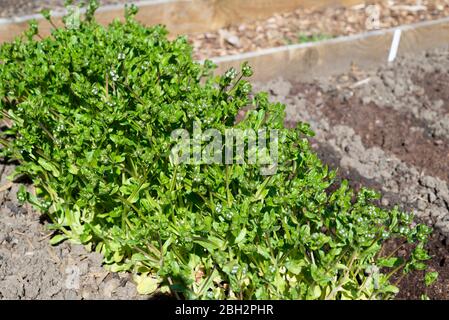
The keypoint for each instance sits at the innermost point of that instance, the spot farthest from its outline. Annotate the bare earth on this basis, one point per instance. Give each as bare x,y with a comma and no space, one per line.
32,269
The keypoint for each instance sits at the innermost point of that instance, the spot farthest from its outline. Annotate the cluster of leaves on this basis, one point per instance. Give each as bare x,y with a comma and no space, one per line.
306,38
90,112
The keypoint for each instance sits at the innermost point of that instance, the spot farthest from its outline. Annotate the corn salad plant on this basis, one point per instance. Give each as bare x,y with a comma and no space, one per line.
89,113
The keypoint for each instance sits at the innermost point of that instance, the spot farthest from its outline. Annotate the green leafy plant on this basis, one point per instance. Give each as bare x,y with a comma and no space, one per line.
305,38
90,112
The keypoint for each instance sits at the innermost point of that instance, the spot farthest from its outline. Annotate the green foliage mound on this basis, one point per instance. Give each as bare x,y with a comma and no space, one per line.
89,114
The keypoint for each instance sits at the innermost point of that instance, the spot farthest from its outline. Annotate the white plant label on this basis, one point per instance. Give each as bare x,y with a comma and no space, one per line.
395,45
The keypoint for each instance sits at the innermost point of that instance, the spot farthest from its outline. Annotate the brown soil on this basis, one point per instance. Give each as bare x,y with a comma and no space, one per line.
412,286
436,87
30,268
397,133
355,180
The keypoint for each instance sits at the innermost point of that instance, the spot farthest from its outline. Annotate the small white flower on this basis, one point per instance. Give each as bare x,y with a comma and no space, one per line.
231,73
145,65
114,75
235,269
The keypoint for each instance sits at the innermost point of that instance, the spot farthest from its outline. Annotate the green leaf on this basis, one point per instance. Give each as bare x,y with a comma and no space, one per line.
146,284
49,167
138,257
241,236
73,169
430,278
315,292
390,262
58,239
391,289
295,267
212,243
